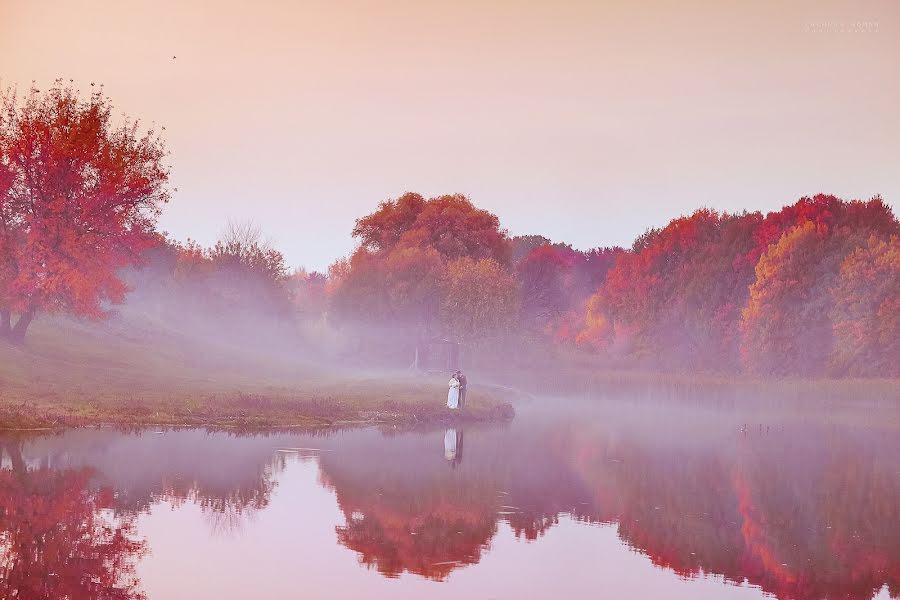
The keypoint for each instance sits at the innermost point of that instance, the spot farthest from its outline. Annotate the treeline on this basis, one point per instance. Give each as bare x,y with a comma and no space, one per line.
810,290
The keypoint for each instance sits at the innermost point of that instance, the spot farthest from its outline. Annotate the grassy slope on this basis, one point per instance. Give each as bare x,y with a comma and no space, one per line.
71,373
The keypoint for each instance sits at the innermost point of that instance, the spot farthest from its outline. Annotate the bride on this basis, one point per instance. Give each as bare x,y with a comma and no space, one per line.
453,394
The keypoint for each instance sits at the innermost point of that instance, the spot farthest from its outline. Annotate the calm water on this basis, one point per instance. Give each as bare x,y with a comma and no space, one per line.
617,500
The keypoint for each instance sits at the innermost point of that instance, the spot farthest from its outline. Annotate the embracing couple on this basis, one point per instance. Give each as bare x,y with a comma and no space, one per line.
456,397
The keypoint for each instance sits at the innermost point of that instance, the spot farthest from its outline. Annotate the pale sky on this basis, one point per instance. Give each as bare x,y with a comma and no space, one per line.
586,122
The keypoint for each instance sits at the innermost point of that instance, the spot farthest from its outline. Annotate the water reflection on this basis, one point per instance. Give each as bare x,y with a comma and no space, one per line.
801,507
453,447
408,513
57,538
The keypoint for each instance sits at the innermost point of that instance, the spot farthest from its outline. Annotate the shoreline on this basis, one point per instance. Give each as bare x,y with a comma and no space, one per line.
243,411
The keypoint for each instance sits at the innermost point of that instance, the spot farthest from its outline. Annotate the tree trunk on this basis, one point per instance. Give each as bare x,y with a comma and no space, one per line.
14,450
18,332
5,323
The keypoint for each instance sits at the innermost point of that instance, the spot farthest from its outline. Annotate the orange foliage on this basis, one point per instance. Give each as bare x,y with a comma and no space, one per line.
479,299
410,249
785,330
867,310
450,224
678,289
706,286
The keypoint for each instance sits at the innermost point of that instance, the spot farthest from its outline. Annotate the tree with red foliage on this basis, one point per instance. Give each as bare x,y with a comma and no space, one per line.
678,291
541,275
449,224
867,311
522,245
398,274
555,282
787,324
80,199
822,209
9,241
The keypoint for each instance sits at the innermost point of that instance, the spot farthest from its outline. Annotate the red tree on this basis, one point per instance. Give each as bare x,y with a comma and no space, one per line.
450,224
787,326
406,246
56,540
541,276
80,201
679,293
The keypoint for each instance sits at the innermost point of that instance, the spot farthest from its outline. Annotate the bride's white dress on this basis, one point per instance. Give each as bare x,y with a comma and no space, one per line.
453,394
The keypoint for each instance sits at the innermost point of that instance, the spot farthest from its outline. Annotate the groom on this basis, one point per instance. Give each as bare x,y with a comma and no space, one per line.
463,382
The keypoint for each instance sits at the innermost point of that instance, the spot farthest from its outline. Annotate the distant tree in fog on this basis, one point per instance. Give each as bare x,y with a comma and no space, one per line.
309,292
449,224
240,247
79,200
399,273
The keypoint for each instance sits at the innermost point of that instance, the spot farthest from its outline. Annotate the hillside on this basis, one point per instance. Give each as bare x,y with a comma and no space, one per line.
134,371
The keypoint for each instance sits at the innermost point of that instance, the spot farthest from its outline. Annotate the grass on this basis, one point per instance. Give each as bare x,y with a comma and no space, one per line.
578,374
71,374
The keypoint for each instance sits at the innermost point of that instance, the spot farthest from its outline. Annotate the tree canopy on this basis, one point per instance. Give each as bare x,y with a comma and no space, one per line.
79,199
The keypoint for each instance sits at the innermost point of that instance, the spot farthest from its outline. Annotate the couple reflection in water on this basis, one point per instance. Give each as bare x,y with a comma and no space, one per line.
453,447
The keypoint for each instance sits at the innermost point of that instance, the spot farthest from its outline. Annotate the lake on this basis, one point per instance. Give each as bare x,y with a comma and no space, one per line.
614,498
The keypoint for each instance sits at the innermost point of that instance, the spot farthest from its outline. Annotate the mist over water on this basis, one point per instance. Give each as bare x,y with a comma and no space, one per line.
631,496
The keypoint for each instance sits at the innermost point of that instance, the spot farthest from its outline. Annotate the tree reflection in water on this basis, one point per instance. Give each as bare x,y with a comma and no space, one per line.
409,516
58,539
801,515
808,512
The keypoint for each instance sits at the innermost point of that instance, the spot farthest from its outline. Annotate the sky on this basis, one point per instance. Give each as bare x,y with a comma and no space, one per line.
587,122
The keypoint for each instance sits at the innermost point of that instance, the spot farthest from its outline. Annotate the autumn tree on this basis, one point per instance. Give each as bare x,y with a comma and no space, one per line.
866,314
679,295
247,271
479,299
308,291
522,245
449,224
241,247
678,291
79,200
9,241
399,273
786,325
555,282
541,276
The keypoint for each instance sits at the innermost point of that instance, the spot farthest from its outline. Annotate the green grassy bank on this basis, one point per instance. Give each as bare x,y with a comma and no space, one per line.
71,374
